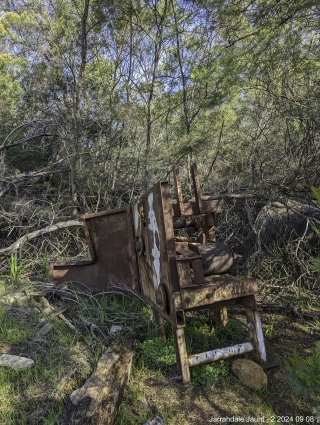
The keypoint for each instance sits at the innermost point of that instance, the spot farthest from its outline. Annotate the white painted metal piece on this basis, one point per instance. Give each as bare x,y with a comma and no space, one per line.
136,219
256,333
155,238
259,337
221,353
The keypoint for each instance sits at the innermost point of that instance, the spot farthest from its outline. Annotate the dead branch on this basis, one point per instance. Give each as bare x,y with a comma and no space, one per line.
28,139
9,183
16,245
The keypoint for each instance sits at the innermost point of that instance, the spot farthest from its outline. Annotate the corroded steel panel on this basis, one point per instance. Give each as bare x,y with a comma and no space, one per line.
110,239
152,222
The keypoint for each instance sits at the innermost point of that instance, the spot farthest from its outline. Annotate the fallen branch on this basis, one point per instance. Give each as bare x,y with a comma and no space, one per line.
28,139
5,252
8,183
307,315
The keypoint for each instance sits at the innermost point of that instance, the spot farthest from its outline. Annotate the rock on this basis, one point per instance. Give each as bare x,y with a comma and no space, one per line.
250,373
282,222
15,362
17,298
114,329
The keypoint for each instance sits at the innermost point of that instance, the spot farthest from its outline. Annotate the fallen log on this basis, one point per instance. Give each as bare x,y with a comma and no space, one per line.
98,400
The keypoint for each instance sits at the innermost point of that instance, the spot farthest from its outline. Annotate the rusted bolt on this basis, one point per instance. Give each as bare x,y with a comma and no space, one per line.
187,300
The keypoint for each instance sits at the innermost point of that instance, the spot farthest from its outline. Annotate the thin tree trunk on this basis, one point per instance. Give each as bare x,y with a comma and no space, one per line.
77,108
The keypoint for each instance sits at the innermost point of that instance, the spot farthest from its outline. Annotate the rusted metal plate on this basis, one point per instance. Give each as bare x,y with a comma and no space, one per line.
217,288
110,239
152,222
177,184
197,189
184,273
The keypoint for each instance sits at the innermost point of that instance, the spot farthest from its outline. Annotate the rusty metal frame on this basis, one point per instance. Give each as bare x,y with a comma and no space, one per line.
165,270
113,258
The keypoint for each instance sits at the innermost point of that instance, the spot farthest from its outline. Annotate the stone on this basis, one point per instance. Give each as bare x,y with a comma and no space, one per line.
17,298
250,373
114,329
15,362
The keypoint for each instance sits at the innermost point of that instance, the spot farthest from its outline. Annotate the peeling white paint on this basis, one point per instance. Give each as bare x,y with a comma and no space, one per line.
221,353
155,238
136,219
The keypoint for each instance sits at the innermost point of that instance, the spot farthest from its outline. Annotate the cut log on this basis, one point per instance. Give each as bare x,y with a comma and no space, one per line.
98,400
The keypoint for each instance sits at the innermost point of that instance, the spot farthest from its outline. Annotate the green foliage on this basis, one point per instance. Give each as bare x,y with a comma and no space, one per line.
47,269
269,330
304,374
156,354
16,268
207,374
316,194
13,331
160,355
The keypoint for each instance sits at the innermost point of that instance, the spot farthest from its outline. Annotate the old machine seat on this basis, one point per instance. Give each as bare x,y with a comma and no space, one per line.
144,249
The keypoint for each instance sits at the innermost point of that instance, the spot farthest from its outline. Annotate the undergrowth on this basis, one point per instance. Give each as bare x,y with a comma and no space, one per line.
159,355
63,359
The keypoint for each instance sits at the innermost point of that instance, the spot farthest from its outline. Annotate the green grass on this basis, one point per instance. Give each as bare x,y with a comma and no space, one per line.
15,331
159,355
35,395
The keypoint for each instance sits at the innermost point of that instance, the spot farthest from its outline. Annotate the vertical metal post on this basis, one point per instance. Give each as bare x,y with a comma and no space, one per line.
180,344
177,185
256,333
196,188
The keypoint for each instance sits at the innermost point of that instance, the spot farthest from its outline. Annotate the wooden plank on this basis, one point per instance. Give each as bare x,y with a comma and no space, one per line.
180,343
98,400
256,334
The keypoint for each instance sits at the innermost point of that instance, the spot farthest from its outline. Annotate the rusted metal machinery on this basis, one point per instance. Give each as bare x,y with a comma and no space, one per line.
137,247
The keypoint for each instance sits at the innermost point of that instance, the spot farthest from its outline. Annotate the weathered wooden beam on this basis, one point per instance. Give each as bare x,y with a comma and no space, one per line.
98,400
